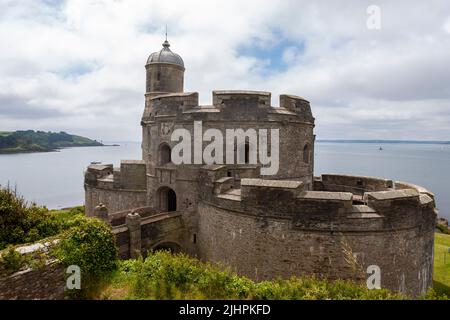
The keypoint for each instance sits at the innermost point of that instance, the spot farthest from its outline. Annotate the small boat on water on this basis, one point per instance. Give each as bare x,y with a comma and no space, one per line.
381,149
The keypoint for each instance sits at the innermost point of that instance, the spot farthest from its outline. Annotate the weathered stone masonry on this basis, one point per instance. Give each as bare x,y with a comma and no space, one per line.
261,226
46,283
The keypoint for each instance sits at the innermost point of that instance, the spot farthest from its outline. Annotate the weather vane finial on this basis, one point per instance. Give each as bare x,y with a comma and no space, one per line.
166,43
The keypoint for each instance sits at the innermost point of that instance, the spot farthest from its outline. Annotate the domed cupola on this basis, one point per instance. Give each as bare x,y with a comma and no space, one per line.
165,71
165,55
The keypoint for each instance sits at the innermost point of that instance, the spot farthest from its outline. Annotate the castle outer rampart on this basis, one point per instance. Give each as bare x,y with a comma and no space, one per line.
282,229
262,226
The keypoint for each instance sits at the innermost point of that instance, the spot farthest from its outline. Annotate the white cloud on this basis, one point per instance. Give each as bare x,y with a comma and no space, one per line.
78,66
447,25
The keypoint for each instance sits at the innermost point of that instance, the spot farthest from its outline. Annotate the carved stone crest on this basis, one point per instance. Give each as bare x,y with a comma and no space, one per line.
166,128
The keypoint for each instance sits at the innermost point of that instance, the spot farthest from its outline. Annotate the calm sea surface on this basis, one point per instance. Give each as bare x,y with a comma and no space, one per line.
55,179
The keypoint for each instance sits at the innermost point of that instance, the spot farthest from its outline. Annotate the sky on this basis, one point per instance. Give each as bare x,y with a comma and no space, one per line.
79,65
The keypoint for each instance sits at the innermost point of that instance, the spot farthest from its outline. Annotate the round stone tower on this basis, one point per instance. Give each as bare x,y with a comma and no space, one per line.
164,75
165,72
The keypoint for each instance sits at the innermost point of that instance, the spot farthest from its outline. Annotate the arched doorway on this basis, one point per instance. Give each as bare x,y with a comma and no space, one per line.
167,199
167,246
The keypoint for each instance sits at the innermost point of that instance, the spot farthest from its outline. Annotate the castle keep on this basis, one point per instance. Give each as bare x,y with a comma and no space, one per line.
289,223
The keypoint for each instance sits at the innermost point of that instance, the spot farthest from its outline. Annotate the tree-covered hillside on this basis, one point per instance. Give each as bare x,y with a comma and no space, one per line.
40,141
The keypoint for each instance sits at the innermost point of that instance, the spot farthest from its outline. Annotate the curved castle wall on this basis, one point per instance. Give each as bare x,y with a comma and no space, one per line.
280,230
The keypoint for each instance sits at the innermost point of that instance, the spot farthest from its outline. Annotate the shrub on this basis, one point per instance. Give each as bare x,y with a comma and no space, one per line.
11,261
89,244
443,228
23,223
66,219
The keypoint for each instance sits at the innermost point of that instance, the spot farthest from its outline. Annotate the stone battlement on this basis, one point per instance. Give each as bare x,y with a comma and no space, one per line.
251,105
130,175
115,187
245,99
344,202
350,183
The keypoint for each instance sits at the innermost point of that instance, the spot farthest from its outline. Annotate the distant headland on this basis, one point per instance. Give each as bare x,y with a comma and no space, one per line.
41,141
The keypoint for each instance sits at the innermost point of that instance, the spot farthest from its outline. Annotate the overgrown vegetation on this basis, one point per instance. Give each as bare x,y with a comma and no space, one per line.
165,276
89,244
40,141
443,229
12,261
85,242
21,222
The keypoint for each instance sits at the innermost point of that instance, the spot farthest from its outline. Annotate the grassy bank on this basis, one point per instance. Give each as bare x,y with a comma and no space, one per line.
165,276
442,264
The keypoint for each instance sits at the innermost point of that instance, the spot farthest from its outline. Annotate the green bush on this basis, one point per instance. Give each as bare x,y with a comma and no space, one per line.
66,219
11,261
443,228
23,223
89,244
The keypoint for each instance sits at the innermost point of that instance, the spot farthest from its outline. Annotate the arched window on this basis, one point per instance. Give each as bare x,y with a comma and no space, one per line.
165,154
306,153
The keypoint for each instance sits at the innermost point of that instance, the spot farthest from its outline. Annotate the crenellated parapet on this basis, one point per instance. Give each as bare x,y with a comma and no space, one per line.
116,188
97,172
130,175
170,105
240,99
227,105
350,183
342,204
298,105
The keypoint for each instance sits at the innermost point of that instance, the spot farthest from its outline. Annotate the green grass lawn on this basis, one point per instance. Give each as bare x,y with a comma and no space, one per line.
442,264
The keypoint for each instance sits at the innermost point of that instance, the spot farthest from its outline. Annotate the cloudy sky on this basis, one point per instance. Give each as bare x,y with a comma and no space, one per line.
78,65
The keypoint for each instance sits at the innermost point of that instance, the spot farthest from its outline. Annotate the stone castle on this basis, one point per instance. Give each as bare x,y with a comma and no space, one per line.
263,227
